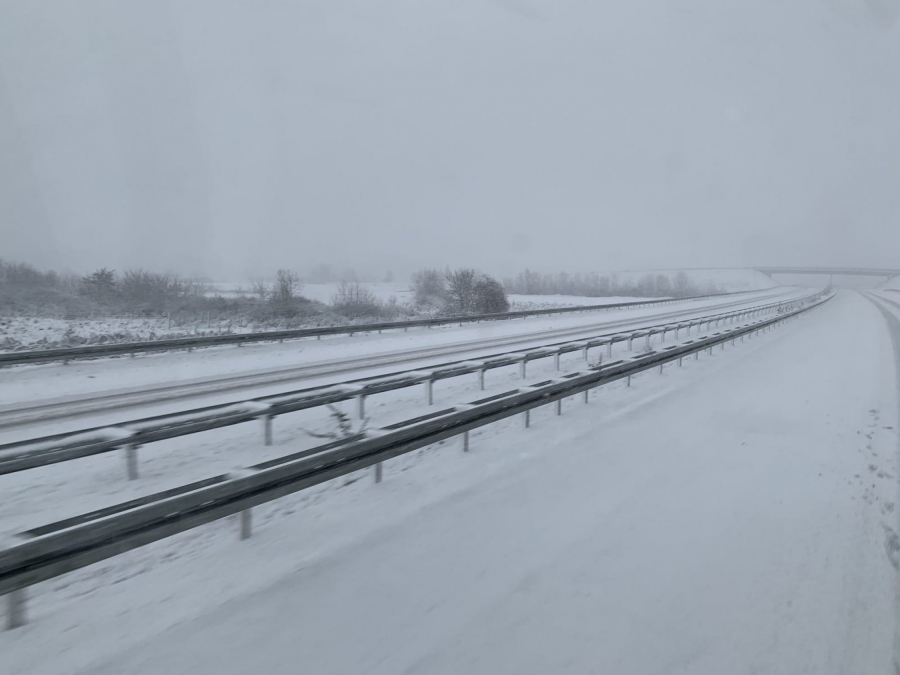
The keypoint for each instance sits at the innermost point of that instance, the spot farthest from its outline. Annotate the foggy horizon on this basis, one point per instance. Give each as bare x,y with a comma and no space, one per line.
229,139
449,337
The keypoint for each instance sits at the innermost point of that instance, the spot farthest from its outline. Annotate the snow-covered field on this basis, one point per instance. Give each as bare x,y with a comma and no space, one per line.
737,514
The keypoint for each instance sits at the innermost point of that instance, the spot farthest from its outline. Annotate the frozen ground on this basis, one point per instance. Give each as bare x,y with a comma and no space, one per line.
738,515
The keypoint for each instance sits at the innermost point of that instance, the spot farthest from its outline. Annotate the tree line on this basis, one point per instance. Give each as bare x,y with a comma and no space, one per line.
459,291
594,285
25,290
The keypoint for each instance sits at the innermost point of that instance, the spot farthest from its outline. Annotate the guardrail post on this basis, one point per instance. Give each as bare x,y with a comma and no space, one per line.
481,378
523,367
587,393
465,441
681,362
609,349
267,429
378,470
361,406
556,360
661,365
630,342
246,518
696,356
649,335
16,617
559,406
628,381
131,461
429,391
527,418
584,352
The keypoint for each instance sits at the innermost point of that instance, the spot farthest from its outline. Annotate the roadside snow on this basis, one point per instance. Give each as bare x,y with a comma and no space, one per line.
120,375
734,515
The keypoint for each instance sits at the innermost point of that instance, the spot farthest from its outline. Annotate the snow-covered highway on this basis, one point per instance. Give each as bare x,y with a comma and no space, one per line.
736,516
41,394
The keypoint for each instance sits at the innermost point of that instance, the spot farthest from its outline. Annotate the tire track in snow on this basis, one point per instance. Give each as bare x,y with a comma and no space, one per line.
891,538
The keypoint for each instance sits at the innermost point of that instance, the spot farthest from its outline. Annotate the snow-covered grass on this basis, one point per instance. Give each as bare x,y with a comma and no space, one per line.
17,333
705,516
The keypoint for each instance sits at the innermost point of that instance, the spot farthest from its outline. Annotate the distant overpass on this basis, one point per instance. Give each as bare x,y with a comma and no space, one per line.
832,271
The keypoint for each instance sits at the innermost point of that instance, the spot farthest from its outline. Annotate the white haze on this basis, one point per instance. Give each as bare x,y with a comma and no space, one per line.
230,138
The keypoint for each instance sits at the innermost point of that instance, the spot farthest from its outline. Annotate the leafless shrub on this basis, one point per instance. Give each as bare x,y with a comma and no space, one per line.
354,301
343,426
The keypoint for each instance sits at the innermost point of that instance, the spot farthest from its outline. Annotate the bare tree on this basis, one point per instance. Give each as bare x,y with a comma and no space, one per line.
287,286
490,298
260,289
663,286
428,286
683,286
461,293
100,285
285,293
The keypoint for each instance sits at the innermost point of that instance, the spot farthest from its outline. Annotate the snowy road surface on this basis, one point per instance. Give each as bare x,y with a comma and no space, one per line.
81,378
40,394
740,517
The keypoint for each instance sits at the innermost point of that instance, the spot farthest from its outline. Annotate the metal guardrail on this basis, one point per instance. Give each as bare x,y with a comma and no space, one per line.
132,348
132,434
58,548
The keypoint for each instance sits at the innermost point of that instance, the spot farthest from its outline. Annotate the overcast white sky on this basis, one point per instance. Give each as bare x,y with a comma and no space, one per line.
231,138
